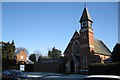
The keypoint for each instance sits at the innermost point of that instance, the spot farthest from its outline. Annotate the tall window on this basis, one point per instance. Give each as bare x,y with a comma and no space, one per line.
84,40
85,62
76,48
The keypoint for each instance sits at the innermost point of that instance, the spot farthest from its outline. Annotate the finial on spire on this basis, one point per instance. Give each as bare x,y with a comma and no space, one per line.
85,4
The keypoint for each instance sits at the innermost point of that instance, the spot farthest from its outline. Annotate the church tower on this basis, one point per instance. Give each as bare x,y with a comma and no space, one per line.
83,49
86,31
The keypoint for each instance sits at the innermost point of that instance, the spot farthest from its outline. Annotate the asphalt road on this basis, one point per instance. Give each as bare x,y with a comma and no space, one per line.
52,76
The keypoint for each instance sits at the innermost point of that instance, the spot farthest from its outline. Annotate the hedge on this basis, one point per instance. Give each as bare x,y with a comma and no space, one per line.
104,68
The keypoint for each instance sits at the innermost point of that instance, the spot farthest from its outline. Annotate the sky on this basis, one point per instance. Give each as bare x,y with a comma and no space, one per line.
119,22
40,26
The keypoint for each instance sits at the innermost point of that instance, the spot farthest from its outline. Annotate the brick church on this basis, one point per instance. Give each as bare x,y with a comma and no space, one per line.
83,48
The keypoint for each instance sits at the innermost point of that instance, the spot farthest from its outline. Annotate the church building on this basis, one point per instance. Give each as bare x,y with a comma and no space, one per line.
83,49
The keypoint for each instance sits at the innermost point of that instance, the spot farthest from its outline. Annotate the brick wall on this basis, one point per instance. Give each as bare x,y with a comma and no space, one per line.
55,67
22,56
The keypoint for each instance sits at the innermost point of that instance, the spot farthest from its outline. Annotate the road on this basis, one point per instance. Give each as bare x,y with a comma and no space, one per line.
53,76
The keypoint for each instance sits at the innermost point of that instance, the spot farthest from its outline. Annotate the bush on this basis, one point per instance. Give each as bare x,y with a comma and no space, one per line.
116,53
104,69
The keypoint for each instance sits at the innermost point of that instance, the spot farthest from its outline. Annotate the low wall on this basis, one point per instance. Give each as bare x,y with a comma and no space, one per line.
29,67
54,67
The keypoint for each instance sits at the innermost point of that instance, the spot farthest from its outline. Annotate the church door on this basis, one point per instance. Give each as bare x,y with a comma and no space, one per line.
72,67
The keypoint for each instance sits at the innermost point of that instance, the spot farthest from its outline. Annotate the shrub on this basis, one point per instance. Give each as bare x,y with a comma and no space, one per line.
104,69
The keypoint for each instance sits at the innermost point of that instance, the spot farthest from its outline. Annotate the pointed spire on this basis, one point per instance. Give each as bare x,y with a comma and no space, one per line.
85,15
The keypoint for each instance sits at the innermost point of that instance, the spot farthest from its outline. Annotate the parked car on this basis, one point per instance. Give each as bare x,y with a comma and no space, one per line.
102,77
14,75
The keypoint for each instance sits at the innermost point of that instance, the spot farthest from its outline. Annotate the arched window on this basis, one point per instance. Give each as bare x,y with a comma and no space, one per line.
76,48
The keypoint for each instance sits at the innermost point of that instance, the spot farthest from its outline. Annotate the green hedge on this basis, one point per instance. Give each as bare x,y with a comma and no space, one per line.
104,69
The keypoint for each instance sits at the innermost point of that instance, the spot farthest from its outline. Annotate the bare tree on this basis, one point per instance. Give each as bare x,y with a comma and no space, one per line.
21,48
38,54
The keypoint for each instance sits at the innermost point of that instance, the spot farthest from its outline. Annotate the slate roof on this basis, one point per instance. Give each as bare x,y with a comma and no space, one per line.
101,48
85,15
